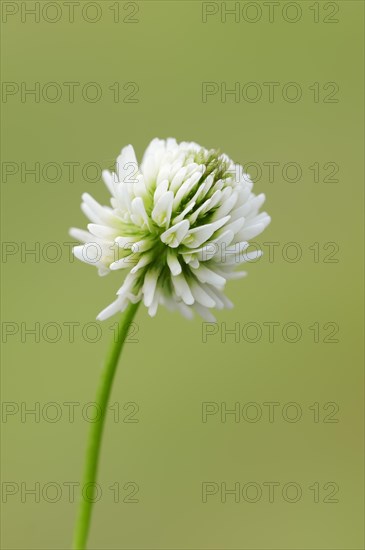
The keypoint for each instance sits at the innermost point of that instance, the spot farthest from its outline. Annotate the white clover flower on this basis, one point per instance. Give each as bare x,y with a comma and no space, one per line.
178,225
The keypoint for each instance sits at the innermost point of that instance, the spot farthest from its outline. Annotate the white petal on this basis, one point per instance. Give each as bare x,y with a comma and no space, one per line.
119,305
139,215
192,261
161,213
139,187
182,289
252,230
81,235
251,256
102,271
200,295
101,214
89,213
109,180
220,299
127,166
216,295
152,310
163,174
128,284
146,259
226,237
124,263
238,212
154,146
126,242
213,247
253,205
89,253
178,179
173,263
212,202
206,275
183,214
204,313
235,227
161,189
201,210
218,186
185,310
103,231
225,207
149,286
143,245
149,169
204,188
175,234
199,235
186,188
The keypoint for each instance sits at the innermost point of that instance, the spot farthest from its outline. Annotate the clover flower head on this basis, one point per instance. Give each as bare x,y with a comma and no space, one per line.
178,225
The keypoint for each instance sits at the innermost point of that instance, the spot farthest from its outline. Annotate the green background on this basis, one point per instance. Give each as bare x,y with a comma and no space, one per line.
169,371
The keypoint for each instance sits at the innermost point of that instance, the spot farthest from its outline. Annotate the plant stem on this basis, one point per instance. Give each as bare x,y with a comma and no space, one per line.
96,431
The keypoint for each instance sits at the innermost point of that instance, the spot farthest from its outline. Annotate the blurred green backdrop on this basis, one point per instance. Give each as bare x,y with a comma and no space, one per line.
165,458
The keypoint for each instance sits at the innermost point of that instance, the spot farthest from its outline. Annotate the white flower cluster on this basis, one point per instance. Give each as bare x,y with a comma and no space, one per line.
178,225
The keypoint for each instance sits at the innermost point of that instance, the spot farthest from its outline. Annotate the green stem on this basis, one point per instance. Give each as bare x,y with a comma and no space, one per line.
96,431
